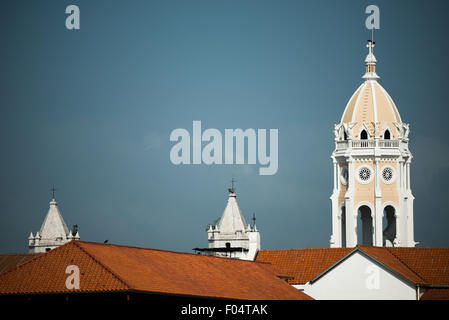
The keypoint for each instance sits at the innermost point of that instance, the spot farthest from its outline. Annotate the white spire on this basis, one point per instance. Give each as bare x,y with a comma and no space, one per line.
54,225
232,231
53,232
232,219
370,62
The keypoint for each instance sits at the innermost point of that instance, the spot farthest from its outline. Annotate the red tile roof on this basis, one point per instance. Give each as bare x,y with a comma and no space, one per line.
384,256
419,265
11,260
107,267
436,294
431,264
302,265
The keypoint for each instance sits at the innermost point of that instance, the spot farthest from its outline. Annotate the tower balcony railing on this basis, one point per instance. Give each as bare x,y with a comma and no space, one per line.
363,144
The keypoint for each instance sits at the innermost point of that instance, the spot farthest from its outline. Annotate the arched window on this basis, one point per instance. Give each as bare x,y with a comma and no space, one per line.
389,222
343,227
387,135
345,135
364,135
364,226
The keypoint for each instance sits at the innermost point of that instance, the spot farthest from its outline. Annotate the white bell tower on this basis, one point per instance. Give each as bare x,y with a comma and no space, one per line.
53,232
372,201
233,236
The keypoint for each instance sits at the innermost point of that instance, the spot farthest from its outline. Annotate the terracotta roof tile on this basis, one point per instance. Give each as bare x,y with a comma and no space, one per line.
11,260
106,267
384,255
431,264
419,265
435,294
302,264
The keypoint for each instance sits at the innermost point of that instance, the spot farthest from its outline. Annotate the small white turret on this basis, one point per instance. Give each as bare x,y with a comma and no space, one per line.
31,239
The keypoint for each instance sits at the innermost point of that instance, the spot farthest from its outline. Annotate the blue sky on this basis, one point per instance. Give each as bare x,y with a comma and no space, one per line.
91,111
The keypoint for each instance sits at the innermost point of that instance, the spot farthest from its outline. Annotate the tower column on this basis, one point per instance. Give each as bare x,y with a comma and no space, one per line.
351,216
335,240
409,200
378,212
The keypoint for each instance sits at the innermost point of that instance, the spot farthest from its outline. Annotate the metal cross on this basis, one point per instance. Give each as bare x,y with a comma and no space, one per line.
232,189
53,191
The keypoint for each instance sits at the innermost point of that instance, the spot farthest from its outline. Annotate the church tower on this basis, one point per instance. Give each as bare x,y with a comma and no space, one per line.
372,202
53,232
233,236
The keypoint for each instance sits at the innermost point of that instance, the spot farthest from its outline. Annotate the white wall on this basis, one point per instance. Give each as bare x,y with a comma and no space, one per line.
360,278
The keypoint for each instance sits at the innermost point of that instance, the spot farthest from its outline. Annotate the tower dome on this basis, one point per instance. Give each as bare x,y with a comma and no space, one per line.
370,105
372,201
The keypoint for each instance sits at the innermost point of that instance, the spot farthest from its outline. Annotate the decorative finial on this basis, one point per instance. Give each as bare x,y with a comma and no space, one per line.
254,220
370,63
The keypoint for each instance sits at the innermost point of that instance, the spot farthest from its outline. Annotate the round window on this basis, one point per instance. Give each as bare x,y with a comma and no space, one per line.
388,175
364,175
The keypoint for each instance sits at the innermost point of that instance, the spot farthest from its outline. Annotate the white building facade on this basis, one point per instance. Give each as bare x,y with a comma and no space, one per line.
53,232
368,280
372,201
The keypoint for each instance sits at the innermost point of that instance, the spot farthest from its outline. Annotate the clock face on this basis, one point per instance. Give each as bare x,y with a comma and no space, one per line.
344,176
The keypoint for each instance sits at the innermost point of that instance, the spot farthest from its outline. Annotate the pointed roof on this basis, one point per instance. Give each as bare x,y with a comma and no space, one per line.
109,267
54,225
232,218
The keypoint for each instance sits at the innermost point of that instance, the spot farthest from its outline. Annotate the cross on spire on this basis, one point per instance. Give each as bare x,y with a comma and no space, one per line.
254,219
232,189
370,46
370,63
53,189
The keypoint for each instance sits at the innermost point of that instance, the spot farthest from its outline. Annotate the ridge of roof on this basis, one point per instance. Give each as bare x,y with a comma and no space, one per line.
37,256
9,261
302,264
120,268
393,268
286,259
73,242
101,264
404,263
171,251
